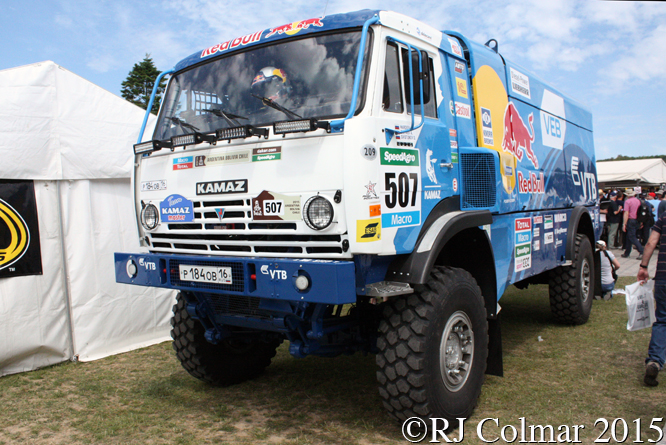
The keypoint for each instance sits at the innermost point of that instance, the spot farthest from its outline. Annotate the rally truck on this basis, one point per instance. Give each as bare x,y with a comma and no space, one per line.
362,182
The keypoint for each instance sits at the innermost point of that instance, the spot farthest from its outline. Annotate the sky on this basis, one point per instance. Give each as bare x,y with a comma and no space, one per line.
608,55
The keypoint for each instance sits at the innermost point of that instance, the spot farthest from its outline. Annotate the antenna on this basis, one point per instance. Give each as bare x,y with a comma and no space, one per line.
325,8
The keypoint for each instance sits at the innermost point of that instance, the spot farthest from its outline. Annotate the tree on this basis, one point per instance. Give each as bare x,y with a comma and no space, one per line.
138,86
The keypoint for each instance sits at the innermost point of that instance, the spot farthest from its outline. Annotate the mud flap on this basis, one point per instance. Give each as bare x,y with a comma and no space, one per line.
494,365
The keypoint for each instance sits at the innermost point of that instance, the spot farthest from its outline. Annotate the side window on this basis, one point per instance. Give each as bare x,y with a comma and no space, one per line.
392,98
430,106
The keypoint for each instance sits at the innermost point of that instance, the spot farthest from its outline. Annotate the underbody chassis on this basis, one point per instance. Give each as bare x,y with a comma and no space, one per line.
261,297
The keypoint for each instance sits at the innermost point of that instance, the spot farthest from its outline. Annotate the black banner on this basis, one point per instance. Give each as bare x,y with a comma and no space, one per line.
20,253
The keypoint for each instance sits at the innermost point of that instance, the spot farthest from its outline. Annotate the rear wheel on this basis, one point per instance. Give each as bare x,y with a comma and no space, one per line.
233,360
571,287
433,348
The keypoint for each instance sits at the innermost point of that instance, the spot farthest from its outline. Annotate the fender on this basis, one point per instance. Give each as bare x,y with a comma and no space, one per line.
580,221
444,222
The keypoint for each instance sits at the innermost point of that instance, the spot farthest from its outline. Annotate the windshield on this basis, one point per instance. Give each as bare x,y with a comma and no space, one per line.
304,78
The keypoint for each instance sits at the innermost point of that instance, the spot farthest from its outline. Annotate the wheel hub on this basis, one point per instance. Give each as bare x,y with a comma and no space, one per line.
456,351
585,281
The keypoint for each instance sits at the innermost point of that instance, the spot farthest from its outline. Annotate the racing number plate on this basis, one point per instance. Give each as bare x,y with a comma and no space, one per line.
205,274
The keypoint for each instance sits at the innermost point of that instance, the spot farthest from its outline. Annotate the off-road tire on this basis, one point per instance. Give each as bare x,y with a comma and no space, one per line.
228,362
411,382
571,288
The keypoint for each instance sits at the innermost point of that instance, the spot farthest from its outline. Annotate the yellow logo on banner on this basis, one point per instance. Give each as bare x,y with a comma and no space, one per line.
462,87
19,236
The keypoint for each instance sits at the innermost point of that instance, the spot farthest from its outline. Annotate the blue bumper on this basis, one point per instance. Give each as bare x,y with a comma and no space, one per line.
331,282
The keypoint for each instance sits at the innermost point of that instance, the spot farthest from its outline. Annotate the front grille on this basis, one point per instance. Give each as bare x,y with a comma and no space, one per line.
237,279
237,234
478,173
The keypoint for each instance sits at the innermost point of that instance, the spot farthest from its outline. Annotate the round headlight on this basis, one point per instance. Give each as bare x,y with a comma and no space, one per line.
150,217
318,213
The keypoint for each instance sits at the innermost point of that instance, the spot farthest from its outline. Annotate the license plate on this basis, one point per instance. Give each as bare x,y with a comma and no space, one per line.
205,274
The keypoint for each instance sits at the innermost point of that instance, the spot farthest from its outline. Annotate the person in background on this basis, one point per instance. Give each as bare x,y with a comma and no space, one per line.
631,225
609,264
657,348
662,204
645,218
622,241
604,204
613,220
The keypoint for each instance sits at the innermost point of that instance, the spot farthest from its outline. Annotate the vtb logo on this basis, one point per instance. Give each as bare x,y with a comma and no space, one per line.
14,235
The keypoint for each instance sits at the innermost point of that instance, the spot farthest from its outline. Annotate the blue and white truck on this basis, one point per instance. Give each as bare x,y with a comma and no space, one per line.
362,182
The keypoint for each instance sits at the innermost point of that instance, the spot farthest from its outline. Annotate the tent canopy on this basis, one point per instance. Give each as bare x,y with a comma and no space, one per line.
55,125
642,172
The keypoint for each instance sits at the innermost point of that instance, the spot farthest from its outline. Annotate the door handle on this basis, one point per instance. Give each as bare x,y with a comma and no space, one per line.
446,165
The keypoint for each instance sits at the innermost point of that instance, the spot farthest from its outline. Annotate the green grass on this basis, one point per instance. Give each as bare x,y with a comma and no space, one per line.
574,376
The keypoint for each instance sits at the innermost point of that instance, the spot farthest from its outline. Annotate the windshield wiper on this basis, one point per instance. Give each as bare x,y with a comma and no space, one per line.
232,119
182,123
271,103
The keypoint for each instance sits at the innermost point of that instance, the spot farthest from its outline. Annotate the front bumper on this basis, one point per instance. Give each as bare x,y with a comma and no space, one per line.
331,282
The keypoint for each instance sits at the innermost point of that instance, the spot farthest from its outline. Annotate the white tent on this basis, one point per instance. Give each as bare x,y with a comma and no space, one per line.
74,140
643,172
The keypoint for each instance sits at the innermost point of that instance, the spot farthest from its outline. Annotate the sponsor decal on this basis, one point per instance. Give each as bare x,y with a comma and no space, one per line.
508,170
548,238
375,210
559,242
523,249
453,133
149,186
223,158
270,206
396,156
432,194
222,187
368,230
536,246
400,187
370,191
459,67
276,274
560,231
454,156
533,184
219,212
430,167
461,87
560,217
20,250
520,83
455,185
454,144
183,163
238,41
176,208
293,28
548,222
487,127
518,139
452,108
463,110
537,231
538,219
455,47
553,120
266,154
421,33
586,180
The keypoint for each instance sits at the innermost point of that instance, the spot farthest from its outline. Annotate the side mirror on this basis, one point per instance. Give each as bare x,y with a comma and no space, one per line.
417,75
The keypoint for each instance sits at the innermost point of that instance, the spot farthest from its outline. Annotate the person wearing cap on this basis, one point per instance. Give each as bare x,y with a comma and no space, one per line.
630,226
657,349
609,264
613,219
662,204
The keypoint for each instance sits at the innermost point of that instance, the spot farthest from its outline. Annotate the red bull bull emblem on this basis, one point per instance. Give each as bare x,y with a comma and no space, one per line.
293,28
517,137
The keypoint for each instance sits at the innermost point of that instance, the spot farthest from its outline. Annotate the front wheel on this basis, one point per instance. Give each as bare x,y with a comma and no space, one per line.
433,348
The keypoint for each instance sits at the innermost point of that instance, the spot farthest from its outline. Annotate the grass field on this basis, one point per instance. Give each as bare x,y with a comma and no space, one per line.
574,376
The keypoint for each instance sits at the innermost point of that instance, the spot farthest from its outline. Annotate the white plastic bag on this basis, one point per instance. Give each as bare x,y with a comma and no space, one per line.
640,305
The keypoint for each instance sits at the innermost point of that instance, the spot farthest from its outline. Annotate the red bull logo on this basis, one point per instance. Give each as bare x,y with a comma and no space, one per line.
238,41
293,28
517,137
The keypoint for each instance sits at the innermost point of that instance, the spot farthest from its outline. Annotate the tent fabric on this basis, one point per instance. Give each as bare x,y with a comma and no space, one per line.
56,125
74,140
637,171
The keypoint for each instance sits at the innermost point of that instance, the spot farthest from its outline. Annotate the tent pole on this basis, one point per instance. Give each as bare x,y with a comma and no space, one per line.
65,271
